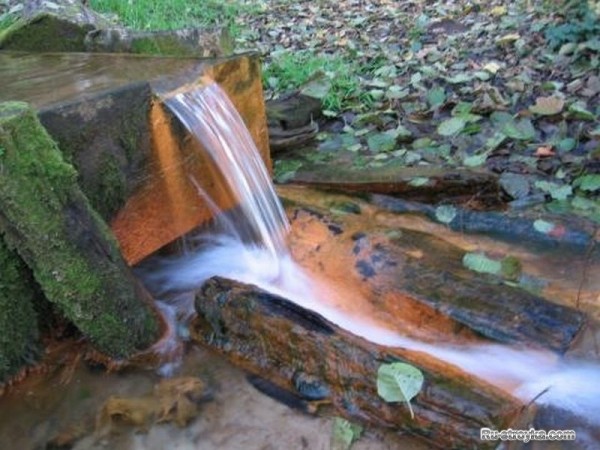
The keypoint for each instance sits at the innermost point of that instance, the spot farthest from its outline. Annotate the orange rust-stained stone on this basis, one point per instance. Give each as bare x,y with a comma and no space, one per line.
167,204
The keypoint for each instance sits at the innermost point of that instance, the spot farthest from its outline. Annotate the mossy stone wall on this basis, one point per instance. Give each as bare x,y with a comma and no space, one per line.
71,251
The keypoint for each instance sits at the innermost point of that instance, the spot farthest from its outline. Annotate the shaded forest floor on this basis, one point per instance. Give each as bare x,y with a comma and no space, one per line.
508,87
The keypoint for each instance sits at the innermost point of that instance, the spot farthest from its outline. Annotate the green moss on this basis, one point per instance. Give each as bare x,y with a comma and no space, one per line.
108,194
160,45
44,33
109,144
69,248
19,343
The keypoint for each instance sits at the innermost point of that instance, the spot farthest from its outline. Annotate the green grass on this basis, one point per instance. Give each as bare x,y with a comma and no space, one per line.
286,71
290,70
174,14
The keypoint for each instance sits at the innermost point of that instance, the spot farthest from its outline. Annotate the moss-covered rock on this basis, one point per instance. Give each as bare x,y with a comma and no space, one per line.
106,137
19,343
44,26
73,256
196,42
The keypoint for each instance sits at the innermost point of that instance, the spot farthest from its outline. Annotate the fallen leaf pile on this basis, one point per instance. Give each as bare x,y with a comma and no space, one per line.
512,87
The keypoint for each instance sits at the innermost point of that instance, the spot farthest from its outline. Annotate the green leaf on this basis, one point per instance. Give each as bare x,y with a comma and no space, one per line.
436,97
579,111
459,78
556,191
451,126
376,94
495,141
462,109
515,185
381,142
543,226
475,160
511,268
482,75
587,207
284,170
422,143
500,118
479,262
589,183
522,130
508,39
344,434
418,181
317,88
400,132
399,382
445,213
396,92
566,145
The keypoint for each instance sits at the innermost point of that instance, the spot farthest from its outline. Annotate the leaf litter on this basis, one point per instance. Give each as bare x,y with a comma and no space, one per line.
523,74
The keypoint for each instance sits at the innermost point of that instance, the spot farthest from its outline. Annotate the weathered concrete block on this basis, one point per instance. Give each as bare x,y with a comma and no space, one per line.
167,205
107,138
73,256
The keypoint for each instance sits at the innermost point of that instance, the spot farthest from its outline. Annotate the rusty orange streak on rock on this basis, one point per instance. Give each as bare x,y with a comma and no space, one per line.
168,205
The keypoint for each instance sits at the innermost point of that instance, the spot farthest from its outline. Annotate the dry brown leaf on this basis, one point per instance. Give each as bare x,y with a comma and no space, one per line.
544,151
548,106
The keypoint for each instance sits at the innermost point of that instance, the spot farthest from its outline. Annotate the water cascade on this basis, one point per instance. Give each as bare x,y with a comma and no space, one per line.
211,117
249,245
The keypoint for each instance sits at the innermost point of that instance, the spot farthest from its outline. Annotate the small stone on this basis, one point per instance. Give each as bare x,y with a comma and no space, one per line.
515,185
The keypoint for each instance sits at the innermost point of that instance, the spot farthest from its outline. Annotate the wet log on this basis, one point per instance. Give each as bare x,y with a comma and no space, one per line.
499,312
441,184
107,138
301,352
567,232
46,217
407,270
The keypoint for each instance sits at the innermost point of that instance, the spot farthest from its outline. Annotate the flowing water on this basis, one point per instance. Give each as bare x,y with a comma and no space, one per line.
43,79
211,117
251,248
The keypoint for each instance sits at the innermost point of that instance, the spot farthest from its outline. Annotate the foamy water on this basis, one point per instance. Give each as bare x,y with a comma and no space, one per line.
266,262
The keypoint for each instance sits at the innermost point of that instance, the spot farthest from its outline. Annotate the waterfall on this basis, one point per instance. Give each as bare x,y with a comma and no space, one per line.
210,116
